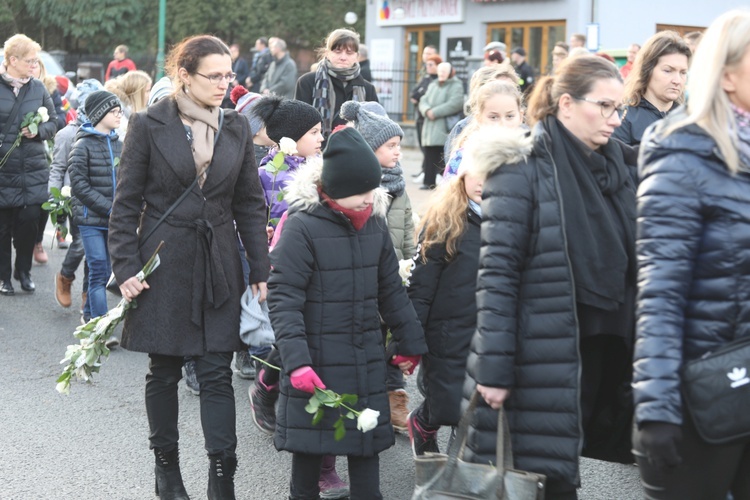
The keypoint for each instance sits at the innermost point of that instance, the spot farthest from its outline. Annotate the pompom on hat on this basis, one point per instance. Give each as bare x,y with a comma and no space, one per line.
375,129
349,165
245,102
286,117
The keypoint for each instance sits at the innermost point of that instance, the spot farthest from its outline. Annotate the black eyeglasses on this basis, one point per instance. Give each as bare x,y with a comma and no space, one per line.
216,78
116,112
607,108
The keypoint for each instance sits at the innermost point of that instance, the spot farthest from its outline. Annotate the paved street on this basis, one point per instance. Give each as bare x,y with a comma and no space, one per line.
93,444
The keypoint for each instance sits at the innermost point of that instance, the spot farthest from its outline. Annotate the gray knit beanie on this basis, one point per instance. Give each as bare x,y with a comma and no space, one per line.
376,130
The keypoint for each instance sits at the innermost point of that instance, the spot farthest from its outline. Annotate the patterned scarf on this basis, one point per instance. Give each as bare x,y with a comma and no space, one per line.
15,83
742,118
204,123
324,95
392,180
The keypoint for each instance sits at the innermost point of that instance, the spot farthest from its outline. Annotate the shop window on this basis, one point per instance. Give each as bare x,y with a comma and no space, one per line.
537,38
682,30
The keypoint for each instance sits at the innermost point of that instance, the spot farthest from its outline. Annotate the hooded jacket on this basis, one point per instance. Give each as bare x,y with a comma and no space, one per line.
93,175
693,263
329,285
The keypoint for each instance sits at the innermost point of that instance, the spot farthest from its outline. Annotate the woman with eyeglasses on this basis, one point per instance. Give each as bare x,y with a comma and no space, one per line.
693,269
336,80
24,169
190,305
556,284
655,86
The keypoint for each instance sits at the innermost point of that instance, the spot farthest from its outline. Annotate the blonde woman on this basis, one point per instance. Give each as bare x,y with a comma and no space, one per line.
133,89
24,173
655,86
693,253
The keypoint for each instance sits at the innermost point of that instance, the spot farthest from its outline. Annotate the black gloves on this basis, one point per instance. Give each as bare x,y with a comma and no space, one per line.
660,441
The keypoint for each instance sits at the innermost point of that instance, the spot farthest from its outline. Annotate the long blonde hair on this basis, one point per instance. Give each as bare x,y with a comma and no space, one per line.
723,46
445,220
133,85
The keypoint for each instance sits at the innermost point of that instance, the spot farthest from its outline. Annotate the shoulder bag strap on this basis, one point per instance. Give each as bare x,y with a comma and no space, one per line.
14,112
188,190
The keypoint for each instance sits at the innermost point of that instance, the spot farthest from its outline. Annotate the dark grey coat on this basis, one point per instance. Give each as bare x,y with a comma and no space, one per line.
23,179
328,287
177,316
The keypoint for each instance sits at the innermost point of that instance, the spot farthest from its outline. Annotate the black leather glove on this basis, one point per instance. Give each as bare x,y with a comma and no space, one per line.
660,441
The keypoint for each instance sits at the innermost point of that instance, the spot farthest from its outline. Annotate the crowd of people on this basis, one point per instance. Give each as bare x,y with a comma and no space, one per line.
587,239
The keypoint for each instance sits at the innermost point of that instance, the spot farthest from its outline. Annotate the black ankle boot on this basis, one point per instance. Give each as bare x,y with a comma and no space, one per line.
221,477
168,478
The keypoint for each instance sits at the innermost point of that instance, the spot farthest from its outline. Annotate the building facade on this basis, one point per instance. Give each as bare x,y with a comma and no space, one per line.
398,30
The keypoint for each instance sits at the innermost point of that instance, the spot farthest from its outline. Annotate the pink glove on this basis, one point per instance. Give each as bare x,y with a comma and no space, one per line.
399,358
305,379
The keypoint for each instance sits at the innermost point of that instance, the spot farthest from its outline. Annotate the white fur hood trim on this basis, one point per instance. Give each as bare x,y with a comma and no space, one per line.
489,148
302,191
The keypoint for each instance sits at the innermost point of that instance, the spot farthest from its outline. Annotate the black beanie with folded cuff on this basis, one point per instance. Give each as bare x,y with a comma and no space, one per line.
349,165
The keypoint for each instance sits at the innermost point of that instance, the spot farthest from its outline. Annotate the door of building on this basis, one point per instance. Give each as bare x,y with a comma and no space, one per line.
417,38
538,38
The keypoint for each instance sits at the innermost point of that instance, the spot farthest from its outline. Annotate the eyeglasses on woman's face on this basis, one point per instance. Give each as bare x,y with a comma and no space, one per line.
216,78
607,108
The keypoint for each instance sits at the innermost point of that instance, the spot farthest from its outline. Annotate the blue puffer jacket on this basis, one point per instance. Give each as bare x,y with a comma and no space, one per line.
693,249
93,175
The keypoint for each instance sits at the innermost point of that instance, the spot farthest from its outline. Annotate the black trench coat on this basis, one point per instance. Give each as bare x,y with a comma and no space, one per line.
193,305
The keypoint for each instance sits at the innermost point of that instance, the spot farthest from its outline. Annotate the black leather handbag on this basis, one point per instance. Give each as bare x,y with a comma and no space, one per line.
445,477
716,392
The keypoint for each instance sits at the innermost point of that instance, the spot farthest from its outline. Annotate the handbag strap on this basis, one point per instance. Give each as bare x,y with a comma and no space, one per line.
187,191
13,112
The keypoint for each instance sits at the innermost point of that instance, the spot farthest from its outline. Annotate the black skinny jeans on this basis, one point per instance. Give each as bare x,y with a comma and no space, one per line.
364,477
18,227
218,416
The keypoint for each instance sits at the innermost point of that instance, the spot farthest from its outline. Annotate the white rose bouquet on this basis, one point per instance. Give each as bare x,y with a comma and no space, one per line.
32,121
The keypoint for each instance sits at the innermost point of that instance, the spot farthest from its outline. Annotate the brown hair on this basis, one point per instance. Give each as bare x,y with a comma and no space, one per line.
189,53
342,37
661,44
445,220
436,59
575,77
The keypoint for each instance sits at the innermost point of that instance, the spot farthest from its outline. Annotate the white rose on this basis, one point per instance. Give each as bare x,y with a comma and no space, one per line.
63,387
404,269
43,113
367,420
65,192
288,146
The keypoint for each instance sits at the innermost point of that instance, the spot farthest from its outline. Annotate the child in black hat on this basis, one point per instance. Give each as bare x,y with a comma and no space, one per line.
334,274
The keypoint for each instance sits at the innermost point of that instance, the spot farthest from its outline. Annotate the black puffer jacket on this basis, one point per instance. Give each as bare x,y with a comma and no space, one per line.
637,119
327,285
694,263
93,175
444,295
23,179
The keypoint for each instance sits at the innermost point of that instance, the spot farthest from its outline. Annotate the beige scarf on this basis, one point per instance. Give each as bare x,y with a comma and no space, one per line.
204,123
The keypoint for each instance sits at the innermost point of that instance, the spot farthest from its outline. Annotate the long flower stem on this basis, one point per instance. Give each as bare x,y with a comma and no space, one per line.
356,413
256,358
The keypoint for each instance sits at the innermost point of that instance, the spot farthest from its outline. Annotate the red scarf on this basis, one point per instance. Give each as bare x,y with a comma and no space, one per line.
358,218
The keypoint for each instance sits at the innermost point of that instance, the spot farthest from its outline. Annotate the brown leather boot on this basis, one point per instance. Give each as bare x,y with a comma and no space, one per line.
398,400
62,290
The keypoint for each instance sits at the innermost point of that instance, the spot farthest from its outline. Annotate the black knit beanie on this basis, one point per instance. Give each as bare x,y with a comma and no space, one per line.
99,103
349,165
286,117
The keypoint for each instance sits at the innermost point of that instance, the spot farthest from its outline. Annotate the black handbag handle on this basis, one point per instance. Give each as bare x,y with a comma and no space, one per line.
187,191
503,451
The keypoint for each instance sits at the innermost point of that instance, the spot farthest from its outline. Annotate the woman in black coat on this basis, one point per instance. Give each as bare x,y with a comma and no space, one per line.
442,288
24,175
655,86
193,305
336,80
694,266
556,283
